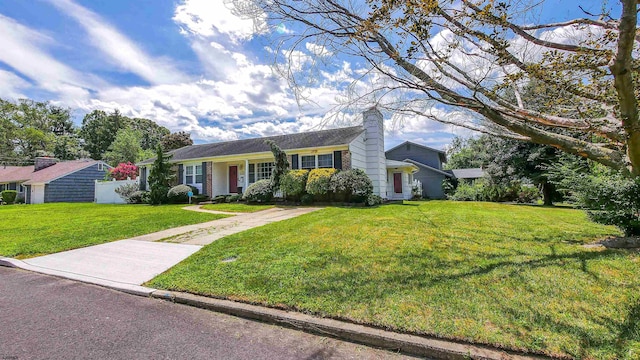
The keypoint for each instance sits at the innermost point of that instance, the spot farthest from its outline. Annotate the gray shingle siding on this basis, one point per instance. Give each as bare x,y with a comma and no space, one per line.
75,187
431,183
417,153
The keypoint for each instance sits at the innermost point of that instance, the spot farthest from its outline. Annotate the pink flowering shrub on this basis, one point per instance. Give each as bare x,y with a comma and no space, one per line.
124,171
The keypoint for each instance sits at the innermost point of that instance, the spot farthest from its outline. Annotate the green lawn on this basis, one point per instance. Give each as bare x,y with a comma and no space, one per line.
237,207
32,230
511,276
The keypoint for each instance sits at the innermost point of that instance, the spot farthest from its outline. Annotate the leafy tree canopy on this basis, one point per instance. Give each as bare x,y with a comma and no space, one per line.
451,61
176,140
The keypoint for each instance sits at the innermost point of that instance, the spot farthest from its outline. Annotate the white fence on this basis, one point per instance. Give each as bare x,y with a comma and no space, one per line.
105,192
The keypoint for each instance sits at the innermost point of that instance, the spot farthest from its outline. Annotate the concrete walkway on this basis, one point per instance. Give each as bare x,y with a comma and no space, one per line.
206,233
127,264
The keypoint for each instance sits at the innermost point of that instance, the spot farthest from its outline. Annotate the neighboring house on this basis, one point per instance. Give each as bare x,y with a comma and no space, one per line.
12,177
52,181
429,161
230,167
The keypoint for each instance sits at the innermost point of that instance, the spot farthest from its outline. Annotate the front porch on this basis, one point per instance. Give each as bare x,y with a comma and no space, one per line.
400,180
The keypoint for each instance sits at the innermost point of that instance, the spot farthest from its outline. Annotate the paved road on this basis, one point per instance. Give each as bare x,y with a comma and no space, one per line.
44,317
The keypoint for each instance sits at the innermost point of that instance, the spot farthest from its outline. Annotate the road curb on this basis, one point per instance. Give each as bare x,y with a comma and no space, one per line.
114,285
409,344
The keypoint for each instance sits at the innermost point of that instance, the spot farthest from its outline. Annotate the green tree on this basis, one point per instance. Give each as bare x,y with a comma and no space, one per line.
30,128
99,129
281,164
460,56
160,177
68,147
124,148
176,140
151,133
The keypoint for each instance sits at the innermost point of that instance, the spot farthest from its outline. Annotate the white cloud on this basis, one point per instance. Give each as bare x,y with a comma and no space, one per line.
318,50
123,52
11,85
22,50
208,18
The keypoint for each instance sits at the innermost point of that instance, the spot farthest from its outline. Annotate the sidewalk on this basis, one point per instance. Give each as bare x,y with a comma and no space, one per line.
127,264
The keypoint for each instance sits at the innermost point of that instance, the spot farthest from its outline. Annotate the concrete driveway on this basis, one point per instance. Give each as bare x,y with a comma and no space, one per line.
127,264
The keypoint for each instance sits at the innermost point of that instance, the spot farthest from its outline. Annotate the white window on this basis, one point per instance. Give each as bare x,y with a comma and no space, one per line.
188,175
100,167
264,170
308,162
198,174
325,161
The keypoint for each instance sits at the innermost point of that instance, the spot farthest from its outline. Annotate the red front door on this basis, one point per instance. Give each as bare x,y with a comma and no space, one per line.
397,183
233,179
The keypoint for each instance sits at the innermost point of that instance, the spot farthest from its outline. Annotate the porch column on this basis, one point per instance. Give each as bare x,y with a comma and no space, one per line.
246,175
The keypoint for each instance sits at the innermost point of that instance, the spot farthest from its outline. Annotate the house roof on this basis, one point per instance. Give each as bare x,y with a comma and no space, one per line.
58,170
341,136
472,173
419,164
10,174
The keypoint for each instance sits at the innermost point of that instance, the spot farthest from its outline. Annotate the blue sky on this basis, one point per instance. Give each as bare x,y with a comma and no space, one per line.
187,64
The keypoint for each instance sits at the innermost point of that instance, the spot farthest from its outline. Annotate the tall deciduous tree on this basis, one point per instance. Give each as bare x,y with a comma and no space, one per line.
31,128
176,140
99,129
435,55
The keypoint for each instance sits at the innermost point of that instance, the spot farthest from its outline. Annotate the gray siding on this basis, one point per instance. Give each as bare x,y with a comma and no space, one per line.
75,187
416,153
431,183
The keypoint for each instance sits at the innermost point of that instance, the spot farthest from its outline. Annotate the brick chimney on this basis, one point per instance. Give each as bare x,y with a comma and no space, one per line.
374,144
44,162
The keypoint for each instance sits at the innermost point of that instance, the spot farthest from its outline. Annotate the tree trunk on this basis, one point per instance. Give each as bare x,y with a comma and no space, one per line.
547,193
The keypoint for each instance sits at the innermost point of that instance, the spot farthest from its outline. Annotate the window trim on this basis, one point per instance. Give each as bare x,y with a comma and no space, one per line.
191,171
324,167
316,164
262,168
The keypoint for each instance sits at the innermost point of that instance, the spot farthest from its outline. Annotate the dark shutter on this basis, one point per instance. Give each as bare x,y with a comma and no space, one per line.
143,179
294,161
204,178
252,173
337,160
181,174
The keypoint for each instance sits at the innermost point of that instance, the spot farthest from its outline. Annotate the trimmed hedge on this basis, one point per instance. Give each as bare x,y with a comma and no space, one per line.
179,194
9,196
318,183
259,191
351,186
293,183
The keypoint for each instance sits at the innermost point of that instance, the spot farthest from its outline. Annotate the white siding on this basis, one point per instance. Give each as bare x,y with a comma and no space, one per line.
358,153
374,146
220,179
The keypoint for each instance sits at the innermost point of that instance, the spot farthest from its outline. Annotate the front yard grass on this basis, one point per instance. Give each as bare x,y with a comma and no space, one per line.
237,207
33,230
511,276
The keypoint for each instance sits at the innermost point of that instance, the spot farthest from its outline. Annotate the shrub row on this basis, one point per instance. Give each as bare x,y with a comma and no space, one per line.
178,194
481,190
316,185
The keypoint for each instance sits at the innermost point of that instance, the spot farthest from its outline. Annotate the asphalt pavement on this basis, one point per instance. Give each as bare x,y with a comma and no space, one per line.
45,317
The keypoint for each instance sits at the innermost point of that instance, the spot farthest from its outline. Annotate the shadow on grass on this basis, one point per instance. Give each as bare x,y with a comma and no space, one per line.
356,284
